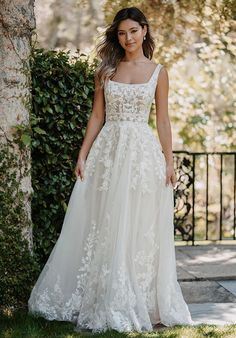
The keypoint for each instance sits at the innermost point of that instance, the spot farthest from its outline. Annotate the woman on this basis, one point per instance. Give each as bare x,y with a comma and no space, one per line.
113,266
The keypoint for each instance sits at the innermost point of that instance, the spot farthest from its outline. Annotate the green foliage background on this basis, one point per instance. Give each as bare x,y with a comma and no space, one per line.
62,91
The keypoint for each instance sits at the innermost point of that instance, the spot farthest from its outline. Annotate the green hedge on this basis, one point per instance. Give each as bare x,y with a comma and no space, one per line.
62,93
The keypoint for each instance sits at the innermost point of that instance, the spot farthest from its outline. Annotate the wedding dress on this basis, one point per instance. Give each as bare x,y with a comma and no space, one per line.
113,265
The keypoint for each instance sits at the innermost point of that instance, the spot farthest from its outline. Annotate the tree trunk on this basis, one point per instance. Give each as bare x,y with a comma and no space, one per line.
17,22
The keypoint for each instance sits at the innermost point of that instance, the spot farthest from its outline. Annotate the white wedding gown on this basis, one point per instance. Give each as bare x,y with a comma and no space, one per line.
113,266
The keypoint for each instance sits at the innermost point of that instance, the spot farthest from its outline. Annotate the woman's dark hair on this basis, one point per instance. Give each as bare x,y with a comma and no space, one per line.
109,49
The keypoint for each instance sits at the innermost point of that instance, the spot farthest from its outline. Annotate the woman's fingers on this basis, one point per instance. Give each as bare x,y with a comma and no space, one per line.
170,176
82,174
76,172
167,179
174,181
81,166
79,169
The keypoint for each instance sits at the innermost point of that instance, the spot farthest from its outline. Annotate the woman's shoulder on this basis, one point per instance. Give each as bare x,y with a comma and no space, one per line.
162,67
158,64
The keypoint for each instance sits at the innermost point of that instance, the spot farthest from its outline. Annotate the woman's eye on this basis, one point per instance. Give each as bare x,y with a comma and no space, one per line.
122,33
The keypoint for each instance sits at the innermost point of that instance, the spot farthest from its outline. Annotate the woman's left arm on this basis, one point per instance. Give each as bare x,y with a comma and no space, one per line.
163,124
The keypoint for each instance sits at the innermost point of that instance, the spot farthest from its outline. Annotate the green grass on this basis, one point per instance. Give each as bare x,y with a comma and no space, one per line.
21,325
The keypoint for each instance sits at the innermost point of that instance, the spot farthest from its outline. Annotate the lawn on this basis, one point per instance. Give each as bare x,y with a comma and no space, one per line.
21,325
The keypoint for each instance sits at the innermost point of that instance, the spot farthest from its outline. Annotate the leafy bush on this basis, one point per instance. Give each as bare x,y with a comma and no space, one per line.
62,90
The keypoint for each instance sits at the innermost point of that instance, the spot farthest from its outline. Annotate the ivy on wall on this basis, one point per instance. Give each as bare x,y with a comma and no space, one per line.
18,266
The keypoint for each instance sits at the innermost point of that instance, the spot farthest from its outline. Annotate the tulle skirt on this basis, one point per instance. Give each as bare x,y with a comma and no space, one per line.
113,265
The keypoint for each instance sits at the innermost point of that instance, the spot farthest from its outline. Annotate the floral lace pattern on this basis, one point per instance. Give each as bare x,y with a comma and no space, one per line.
130,102
126,140
127,144
93,280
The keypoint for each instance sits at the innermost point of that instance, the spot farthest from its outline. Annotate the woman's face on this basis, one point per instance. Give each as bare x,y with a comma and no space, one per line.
130,35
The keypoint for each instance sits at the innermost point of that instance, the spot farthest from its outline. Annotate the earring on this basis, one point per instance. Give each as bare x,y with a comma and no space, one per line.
144,38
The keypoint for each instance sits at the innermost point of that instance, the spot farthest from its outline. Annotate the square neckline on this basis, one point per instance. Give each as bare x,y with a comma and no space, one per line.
135,84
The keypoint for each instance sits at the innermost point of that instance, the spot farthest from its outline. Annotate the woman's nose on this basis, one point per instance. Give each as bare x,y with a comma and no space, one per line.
128,36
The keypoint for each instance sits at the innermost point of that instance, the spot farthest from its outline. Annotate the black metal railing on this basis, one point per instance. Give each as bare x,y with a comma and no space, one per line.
205,196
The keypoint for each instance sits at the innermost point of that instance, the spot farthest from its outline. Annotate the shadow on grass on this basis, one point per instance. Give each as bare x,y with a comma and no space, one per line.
21,325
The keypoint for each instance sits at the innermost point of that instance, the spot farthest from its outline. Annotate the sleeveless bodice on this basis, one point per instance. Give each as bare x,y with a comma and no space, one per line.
130,102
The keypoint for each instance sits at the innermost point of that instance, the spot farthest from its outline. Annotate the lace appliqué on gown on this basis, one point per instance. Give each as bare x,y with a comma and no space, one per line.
93,279
127,137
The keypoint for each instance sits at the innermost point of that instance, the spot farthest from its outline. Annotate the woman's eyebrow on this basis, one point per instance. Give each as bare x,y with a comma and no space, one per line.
122,30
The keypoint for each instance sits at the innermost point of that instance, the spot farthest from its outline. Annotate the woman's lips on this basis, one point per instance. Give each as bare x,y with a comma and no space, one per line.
129,44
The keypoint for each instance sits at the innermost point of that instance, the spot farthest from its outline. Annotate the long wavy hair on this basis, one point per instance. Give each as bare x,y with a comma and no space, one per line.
109,49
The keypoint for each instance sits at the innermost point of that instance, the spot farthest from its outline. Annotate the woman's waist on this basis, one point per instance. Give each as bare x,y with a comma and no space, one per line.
141,117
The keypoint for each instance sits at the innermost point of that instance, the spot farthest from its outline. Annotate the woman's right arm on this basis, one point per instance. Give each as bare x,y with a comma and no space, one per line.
94,125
